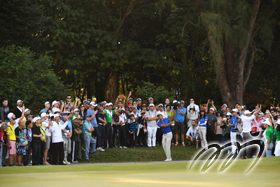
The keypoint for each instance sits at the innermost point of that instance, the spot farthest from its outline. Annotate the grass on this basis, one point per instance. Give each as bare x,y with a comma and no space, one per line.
142,154
266,173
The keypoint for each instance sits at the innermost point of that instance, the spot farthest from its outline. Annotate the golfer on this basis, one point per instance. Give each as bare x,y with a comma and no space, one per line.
164,124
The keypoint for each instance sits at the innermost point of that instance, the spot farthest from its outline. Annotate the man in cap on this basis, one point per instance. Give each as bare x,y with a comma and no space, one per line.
46,123
76,141
232,124
268,137
247,120
36,141
196,107
151,117
66,136
46,109
109,127
89,140
179,122
151,100
139,104
55,105
277,135
57,141
212,123
18,110
101,121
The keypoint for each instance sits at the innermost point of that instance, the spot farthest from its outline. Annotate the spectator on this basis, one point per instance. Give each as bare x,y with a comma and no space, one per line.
89,140
151,117
164,124
196,107
211,124
4,111
76,141
192,114
36,141
247,119
179,122
142,130
225,125
144,108
109,127
218,135
151,100
55,105
277,135
132,130
57,141
139,104
18,110
92,111
159,131
192,135
46,123
224,108
122,129
233,122
3,128
46,109
82,112
66,136
28,134
101,121
268,138
202,130
20,138
167,102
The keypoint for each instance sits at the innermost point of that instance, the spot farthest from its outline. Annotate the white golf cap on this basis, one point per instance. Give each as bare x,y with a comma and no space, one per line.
151,98
10,115
93,103
160,104
47,102
19,101
229,114
44,114
266,122
76,110
278,121
55,110
175,101
247,112
234,110
54,102
36,119
26,110
110,104
56,115
151,105
212,109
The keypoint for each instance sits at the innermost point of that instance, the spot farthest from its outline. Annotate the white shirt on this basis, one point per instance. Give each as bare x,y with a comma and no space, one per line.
163,113
247,122
192,132
56,130
46,124
122,118
196,107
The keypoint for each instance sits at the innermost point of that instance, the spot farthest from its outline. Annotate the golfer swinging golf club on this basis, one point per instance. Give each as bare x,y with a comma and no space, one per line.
164,124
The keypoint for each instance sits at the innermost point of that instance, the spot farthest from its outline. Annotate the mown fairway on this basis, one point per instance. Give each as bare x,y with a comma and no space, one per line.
266,173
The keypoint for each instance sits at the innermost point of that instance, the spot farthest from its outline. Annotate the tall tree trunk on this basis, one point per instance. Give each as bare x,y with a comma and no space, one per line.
111,93
186,75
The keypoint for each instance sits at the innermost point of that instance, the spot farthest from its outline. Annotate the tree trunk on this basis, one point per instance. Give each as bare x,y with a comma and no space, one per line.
186,76
111,90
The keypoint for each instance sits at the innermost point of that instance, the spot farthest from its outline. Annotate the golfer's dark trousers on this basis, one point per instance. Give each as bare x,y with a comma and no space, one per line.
58,148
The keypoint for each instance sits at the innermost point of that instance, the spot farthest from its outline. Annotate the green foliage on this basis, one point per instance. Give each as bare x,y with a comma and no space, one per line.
26,77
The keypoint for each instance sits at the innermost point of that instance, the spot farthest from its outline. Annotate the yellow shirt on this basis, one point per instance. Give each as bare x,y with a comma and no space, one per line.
43,132
11,132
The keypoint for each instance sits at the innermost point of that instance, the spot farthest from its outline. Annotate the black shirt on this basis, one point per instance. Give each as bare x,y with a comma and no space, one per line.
212,119
17,113
99,115
36,130
4,111
18,132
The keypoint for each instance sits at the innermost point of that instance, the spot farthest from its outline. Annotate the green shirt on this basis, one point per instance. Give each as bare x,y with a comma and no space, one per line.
269,133
277,134
75,137
109,115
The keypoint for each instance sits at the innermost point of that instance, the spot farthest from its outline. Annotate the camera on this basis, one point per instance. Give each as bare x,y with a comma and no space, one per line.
175,106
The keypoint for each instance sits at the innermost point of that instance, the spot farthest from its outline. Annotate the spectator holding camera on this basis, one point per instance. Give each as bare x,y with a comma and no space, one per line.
192,135
179,114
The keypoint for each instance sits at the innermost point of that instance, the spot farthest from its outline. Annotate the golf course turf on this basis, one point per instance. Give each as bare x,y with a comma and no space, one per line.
265,173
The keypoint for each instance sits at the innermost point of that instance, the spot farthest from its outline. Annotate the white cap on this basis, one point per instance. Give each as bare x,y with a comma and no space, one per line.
19,101
278,121
110,104
55,110
10,115
151,98
247,112
54,102
44,114
26,110
229,114
47,102
234,110
74,118
36,119
93,103
76,110
160,104
224,105
56,115
151,105
261,113
267,122
175,101
212,109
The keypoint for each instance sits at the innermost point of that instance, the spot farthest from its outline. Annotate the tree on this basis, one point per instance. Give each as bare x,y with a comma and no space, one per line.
30,78
232,28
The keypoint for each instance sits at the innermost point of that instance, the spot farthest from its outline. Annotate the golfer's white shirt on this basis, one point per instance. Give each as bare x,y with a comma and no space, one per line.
247,122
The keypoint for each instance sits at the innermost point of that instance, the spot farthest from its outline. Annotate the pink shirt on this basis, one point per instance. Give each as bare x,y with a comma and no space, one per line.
258,123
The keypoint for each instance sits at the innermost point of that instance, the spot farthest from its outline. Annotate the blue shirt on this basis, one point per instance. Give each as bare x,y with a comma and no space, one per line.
179,116
202,120
43,110
94,121
132,126
167,129
87,125
233,121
